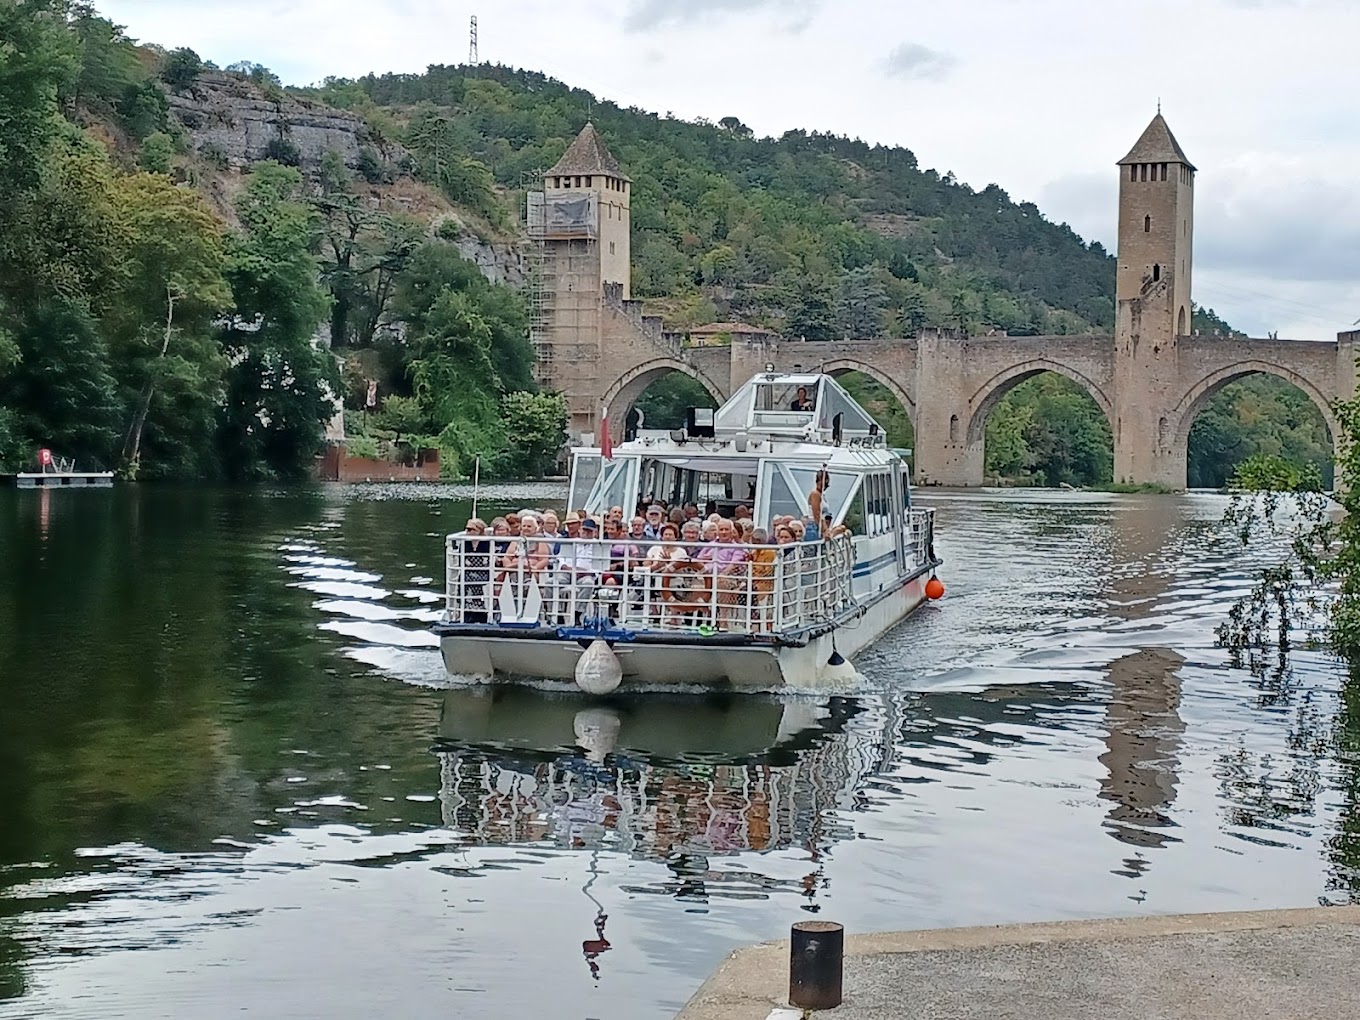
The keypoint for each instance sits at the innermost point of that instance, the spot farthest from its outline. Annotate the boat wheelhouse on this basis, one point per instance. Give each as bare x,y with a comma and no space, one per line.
651,610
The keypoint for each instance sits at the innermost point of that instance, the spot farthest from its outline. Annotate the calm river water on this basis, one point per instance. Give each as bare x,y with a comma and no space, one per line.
235,780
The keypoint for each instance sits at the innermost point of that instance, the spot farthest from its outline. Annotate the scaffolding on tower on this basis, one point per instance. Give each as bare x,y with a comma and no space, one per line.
564,294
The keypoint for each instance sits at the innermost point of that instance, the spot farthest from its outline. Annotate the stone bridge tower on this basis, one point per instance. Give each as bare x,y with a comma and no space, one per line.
581,226
1153,310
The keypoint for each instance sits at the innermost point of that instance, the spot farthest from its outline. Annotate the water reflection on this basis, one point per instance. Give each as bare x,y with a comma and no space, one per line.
664,779
1144,730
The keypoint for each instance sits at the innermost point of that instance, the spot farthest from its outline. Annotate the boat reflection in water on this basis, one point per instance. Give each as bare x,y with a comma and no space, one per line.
658,777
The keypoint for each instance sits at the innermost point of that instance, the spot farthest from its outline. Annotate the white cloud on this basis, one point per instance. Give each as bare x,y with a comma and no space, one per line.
914,61
649,14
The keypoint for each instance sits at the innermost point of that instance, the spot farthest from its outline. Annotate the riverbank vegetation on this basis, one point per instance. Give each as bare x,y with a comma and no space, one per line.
1315,586
145,327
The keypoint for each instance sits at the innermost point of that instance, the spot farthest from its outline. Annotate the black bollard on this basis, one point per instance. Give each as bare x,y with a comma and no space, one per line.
816,954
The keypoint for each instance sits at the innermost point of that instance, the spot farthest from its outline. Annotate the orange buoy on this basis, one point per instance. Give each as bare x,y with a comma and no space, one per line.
934,588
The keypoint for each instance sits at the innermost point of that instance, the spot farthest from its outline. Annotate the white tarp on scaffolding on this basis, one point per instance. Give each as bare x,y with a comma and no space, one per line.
563,214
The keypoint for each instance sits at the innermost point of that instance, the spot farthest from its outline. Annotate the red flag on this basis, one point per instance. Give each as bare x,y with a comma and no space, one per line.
606,440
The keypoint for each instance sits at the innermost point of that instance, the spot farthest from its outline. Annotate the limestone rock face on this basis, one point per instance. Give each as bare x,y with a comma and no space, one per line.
236,118
240,119
499,263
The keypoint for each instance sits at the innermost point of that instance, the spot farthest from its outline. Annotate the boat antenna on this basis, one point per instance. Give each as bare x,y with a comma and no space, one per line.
476,484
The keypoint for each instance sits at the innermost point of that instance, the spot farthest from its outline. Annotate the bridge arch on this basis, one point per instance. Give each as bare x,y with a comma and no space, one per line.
1198,396
839,366
989,394
626,390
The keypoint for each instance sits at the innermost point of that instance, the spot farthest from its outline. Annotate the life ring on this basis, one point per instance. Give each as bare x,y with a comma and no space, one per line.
688,585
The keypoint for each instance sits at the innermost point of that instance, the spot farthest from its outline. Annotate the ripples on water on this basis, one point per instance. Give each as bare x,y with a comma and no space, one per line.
259,790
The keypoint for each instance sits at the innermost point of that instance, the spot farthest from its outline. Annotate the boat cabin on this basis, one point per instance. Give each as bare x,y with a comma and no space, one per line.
763,449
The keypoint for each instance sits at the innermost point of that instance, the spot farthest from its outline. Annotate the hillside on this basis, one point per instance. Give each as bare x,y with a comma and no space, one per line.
814,235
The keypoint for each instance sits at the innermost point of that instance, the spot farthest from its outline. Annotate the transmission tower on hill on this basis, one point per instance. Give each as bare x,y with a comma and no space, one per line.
472,43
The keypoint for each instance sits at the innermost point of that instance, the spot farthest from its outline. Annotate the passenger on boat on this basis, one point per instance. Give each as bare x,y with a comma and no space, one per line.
638,530
656,517
802,402
580,566
691,511
726,560
692,535
506,548
512,519
787,540
622,553
552,524
571,525
536,552
815,504
677,517
763,561
476,573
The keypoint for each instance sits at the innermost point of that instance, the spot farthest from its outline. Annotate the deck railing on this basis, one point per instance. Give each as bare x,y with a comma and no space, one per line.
646,585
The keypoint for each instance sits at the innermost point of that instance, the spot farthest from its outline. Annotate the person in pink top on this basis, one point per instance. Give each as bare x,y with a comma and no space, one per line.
727,560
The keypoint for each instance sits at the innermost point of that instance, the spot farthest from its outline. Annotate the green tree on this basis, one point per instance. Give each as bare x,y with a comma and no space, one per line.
859,311
665,402
279,382
181,69
157,153
402,416
811,314
161,322
536,426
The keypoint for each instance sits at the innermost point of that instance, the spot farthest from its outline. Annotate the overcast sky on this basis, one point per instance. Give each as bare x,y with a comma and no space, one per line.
1040,97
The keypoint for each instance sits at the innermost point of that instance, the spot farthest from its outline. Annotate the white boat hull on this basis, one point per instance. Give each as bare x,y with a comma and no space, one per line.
689,659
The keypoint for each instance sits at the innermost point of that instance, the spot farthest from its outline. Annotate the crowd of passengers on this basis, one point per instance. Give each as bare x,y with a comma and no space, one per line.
636,554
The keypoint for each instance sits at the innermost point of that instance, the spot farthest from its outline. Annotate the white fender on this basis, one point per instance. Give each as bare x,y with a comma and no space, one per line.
598,670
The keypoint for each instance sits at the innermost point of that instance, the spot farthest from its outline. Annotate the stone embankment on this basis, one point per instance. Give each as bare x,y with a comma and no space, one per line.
1281,964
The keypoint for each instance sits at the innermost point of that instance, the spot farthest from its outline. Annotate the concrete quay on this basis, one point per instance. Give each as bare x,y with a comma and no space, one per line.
1276,964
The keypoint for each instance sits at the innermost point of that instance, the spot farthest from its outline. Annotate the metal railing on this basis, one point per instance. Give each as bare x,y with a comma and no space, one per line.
640,584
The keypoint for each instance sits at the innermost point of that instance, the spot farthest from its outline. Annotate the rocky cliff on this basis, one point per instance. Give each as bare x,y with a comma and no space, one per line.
232,121
231,118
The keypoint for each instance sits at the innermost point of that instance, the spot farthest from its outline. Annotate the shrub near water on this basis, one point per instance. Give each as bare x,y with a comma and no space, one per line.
1274,498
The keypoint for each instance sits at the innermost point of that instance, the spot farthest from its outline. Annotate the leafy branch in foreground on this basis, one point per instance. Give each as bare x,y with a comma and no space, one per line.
1273,499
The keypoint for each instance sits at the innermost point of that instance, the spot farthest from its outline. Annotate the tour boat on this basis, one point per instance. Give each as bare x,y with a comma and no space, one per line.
639,612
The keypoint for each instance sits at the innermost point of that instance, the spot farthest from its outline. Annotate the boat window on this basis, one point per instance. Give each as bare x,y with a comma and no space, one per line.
585,472
854,516
783,501
837,494
614,487
884,509
786,397
836,401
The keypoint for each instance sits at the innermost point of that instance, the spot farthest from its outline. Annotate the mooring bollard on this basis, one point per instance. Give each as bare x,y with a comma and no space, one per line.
816,955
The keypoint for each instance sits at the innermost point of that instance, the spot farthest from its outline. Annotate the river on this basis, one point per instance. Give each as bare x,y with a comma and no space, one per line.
235,780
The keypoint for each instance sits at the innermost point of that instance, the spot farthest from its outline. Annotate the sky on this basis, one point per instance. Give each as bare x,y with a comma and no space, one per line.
1041,97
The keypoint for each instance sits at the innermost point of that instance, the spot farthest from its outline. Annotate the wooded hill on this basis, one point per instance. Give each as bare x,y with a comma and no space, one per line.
814,235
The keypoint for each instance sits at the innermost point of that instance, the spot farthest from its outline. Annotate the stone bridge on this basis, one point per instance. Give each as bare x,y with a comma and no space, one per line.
949,385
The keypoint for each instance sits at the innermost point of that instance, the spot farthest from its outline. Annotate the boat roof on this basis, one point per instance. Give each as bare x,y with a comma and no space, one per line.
759,423
768,404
